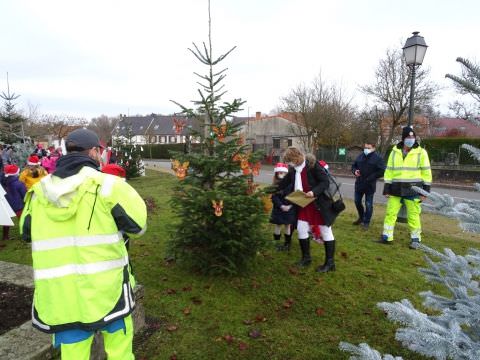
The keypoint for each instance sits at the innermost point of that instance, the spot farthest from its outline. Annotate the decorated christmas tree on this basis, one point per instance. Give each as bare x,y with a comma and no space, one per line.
219,207
129,155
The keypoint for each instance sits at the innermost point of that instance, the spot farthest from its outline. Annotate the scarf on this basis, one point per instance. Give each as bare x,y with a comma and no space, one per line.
298,177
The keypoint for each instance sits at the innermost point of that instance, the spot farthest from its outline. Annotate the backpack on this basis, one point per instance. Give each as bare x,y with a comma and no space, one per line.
333,191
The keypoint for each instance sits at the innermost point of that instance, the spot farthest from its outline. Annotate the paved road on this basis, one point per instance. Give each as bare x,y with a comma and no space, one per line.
348,185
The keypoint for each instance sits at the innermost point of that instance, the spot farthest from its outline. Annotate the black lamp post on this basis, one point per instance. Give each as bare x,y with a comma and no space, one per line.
414,52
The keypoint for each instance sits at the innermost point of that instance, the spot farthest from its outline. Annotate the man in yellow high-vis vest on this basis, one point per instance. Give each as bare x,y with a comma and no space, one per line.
75,219
408,165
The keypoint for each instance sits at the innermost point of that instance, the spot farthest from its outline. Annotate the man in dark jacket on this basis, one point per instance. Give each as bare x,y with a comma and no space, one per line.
367,168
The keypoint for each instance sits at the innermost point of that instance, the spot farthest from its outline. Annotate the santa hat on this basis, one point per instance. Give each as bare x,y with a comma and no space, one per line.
33,160
114,169
11,170
323,164
281,167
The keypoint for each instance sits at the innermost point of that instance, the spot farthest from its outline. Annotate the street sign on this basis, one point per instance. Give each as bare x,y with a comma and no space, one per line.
342,151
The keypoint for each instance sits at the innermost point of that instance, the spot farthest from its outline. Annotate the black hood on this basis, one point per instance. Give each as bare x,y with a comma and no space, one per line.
72,163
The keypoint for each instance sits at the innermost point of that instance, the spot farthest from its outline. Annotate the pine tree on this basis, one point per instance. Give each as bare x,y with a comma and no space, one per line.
10,120
219,207
129,154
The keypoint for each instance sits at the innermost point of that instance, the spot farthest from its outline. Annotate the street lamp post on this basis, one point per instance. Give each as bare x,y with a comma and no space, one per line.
414,52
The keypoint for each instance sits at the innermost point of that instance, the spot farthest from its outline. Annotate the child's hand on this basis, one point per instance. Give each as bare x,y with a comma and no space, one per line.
285,207
310,194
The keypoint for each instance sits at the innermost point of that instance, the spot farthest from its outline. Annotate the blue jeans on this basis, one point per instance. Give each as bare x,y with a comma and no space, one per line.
364,214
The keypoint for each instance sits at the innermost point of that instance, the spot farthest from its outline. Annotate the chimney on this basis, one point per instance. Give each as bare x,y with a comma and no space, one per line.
258,115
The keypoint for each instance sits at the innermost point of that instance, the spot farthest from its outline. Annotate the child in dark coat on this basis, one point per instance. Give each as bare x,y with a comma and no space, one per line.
16,191
283,212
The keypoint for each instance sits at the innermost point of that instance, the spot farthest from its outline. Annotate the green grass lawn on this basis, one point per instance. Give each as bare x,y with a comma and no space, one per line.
276,311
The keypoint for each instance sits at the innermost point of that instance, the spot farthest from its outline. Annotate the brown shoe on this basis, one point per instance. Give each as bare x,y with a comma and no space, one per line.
357,222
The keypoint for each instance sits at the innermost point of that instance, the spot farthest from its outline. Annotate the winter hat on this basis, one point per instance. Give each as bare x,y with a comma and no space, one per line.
280,167
407,131
323,164
11,170
114,169
33,160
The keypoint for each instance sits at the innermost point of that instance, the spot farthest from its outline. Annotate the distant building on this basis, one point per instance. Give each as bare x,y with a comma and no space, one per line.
454,127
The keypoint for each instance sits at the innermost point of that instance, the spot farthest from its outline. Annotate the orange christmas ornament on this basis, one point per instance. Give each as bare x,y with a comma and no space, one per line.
252,187
180,169
267,204
220,131
255,168
178,125
218,207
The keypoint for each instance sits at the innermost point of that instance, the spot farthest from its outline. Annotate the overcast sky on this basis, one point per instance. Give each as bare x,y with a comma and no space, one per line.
87,58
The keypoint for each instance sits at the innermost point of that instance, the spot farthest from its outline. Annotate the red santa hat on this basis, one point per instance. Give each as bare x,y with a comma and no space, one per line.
114,169
323,164
33,160
11,170
280,167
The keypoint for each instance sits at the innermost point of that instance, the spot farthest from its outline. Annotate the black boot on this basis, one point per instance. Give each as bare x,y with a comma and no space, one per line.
329,257
276,237
306,259
286,244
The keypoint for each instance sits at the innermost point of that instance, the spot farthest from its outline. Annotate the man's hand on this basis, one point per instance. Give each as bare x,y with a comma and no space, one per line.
387,195
310,194
423,198
285,207
357,173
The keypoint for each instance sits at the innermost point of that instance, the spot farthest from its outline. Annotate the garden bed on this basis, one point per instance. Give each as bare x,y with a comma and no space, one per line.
15,306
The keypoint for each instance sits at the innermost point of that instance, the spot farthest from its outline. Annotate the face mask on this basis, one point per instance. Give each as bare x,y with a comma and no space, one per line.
367,151
281,175
409,142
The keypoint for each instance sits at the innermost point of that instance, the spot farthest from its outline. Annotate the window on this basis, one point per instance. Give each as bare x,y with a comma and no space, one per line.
276,143
162,139
172,139
290,142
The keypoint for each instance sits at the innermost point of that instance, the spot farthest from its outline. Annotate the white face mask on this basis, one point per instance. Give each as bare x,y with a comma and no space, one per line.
409,142
367,151
281,175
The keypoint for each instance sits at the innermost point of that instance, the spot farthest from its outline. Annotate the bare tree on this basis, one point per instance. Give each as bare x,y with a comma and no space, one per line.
323,112
391,89
103,126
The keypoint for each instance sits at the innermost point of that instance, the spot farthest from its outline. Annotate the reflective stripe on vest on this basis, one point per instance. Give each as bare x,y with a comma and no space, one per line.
62,242
79,269
125,310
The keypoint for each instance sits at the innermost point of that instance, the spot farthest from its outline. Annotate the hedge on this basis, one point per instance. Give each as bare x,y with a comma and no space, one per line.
162,151
438,149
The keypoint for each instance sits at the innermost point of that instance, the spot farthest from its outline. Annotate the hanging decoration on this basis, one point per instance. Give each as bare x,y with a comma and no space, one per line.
178,125
180,169
255,168
220,131
218,207
267,204
251,187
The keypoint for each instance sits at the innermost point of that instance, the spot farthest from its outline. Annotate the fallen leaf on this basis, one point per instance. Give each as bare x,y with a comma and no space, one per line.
187,311
255,285
242,346
379,258
171,291
248,322
293,270
172,328
288,303
173,357
344,254
260,318
320,311
228,338
255,334
164,278
187,288
196,300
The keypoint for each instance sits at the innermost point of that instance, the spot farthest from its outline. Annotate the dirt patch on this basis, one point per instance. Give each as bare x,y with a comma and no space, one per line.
15,306
152,325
